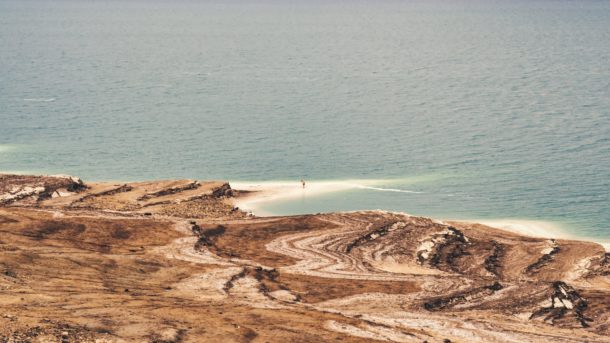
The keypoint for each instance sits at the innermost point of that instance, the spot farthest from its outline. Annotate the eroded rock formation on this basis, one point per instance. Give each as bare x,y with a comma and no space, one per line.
174,261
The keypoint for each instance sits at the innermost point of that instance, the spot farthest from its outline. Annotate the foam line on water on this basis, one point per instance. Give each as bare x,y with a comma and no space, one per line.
39,99
396,190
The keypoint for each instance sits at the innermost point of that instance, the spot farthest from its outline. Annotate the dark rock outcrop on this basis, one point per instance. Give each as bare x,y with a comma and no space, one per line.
223,191
168,191
564,302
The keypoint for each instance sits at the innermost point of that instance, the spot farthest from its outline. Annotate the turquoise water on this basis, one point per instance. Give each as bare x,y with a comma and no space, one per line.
489,109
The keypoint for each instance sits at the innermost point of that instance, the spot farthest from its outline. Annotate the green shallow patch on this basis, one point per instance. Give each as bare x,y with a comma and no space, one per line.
5,148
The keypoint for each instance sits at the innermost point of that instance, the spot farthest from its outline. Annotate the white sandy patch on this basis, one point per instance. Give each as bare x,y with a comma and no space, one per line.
531,228
246,291
211,285
580,269
317,257
283,295
184,249
368,331
266,192
536,228
394,318
208,285
270,191
405,268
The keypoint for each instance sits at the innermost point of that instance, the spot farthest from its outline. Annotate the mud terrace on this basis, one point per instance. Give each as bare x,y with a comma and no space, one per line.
176,261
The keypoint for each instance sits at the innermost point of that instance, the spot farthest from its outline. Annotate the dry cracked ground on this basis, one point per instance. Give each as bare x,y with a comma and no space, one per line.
174,261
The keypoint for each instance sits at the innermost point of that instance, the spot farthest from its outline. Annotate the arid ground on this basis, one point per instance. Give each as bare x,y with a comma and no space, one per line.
175,261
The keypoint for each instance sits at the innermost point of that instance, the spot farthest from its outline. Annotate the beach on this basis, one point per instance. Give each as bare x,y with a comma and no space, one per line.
146,261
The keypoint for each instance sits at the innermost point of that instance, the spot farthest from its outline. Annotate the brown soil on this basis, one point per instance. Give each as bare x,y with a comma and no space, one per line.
174,261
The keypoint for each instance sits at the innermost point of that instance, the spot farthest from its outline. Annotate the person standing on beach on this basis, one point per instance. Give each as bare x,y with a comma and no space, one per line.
303,183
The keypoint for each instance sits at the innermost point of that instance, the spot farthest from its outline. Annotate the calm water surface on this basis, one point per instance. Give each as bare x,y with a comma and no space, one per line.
489,109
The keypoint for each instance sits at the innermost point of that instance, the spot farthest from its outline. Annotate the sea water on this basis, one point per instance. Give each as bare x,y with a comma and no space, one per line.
476,109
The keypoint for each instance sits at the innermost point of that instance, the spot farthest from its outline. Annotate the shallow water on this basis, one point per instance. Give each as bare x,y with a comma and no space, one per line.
488,109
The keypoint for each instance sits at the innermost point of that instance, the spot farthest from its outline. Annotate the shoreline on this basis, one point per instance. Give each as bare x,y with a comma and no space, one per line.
534,228
270,191
266,192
